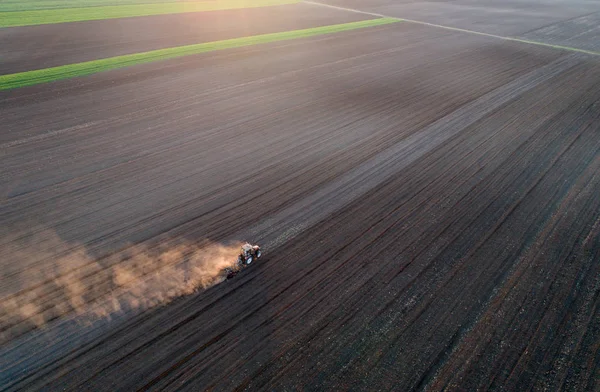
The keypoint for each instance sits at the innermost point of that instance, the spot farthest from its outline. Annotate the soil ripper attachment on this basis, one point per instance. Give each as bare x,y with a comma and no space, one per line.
248,254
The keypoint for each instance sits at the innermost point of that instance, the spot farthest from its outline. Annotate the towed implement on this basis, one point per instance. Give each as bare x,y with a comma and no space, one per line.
248,254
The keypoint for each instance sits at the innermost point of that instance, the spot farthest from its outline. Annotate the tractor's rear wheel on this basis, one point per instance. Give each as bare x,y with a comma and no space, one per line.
249,260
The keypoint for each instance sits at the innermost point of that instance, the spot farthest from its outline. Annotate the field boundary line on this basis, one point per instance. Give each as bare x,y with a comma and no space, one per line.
505,38
45,75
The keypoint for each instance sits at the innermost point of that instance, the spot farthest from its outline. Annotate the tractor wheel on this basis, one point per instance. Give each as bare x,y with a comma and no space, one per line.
249,260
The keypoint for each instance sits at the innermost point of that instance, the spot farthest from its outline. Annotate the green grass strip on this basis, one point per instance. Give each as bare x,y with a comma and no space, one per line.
63,15
29,78
28,5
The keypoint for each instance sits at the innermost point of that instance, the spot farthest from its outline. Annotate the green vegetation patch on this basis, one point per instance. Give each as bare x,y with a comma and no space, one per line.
29,5
29,78
63,15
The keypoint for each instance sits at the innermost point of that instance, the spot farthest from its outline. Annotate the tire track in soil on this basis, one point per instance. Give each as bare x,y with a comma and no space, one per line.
358,328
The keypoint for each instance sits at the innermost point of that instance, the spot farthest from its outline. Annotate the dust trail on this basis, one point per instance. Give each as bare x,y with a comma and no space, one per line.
45,279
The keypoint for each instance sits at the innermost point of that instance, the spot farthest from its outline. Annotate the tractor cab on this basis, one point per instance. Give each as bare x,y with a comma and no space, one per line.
248,254
246,250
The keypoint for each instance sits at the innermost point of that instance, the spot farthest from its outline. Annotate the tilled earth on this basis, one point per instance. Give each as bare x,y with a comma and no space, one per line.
428,201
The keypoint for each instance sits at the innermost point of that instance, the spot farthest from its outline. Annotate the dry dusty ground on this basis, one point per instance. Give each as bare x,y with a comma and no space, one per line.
428,200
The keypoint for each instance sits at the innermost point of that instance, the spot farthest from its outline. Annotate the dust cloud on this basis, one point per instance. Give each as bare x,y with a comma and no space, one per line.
45,279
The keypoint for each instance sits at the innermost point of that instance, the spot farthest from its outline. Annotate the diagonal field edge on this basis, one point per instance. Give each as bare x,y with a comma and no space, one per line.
514,39
65,15
29,78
